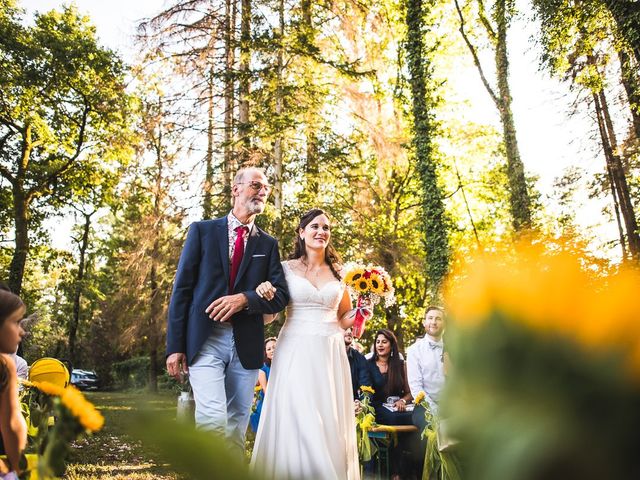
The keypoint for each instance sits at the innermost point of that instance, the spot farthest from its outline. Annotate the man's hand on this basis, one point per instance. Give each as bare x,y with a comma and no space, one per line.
223,308
177,366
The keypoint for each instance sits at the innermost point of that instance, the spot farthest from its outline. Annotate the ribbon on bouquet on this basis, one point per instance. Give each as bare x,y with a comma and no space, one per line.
362,313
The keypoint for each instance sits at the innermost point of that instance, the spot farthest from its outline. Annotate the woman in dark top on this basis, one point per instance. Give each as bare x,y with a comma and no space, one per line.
389,377
389,380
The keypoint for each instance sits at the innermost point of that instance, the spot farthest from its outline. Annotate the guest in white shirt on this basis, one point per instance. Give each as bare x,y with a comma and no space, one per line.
425,372
425,359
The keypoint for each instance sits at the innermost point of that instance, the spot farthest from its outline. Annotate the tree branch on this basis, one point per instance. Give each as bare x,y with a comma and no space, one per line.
485,21
476,60
67,165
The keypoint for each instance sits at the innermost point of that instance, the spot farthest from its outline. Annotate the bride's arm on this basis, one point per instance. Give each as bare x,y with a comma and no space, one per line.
346,314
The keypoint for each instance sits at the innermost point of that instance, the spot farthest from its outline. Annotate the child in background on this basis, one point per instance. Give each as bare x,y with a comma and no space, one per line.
13,427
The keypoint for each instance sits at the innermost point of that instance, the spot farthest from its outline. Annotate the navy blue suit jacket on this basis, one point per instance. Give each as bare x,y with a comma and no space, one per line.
203,276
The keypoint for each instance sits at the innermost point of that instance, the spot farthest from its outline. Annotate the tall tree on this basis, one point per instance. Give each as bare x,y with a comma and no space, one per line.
244,126
434,222
200,38
496,25
147,233
577,39
63,116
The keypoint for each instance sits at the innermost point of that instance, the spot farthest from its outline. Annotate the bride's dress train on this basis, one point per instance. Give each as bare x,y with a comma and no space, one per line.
307,428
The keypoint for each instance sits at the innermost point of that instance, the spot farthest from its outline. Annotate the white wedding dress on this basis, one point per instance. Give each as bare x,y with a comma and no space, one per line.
307,426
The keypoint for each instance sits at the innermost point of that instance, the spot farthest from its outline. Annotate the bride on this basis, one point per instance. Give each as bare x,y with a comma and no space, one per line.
307,428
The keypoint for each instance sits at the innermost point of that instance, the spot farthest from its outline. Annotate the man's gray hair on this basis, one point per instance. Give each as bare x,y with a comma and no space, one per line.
240,173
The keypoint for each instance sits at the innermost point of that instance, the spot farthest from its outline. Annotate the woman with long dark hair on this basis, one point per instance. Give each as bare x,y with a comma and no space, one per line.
307,428
392,393
13,427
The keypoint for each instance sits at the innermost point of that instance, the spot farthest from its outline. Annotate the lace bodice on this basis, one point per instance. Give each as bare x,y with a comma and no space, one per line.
312,310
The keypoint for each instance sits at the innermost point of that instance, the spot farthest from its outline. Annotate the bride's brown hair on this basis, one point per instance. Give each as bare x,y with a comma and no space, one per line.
331,257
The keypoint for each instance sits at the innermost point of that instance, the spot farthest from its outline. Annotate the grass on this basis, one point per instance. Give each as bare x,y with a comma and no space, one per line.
112,453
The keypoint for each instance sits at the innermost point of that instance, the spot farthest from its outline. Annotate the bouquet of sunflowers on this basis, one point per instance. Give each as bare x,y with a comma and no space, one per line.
368,283
365,419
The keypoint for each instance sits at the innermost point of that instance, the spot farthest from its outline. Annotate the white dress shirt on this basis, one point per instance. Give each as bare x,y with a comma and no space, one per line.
425,369
233,223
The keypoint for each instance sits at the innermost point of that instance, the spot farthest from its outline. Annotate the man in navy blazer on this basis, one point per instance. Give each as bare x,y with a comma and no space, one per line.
215,328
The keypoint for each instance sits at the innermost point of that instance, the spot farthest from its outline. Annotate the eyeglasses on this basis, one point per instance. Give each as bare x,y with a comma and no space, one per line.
257,186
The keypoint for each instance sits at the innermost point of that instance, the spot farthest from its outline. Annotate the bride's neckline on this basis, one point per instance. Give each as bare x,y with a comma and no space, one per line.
309,281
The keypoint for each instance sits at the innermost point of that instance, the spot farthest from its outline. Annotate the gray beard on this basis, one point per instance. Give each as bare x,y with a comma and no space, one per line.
255,207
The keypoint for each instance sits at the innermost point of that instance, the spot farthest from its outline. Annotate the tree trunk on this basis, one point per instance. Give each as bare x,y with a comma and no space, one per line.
307,39
631,85
207,202
79,284
520,202
21,225
155,312
21,201
433,213
155,318
277,147
229,84
245,81
617,173
616,209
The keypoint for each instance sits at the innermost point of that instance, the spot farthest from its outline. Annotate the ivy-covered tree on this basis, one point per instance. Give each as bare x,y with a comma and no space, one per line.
434,223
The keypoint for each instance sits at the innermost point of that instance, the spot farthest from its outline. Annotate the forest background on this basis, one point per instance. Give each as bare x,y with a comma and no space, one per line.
397,117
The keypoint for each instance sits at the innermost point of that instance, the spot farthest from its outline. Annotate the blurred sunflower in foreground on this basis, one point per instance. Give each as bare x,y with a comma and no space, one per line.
545,381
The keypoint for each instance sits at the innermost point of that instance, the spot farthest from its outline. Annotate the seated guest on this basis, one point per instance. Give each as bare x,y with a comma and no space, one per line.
360,374
22,367
263,378
390,380
426,370
13,428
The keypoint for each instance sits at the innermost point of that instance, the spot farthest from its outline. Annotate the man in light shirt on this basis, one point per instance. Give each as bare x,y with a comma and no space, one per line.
425,372
425,359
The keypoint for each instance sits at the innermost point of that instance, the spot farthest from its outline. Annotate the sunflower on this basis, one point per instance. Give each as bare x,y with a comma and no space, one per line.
353,276
362,285
47,387
86,413
377,284
419,398
367,389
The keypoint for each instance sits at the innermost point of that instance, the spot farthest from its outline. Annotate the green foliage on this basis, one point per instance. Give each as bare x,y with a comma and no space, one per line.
64,117
524,405
196,453
131,373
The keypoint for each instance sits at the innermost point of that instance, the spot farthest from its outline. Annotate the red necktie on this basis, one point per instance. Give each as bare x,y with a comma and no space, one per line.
238,253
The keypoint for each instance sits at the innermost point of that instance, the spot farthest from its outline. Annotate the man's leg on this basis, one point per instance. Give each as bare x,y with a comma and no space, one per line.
207,375
239,384
419,444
